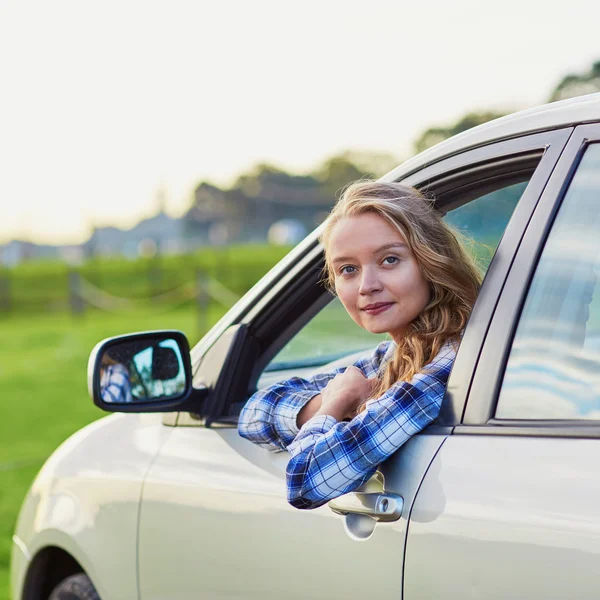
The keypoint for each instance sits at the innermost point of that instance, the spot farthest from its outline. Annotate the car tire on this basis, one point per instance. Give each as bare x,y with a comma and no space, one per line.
75,587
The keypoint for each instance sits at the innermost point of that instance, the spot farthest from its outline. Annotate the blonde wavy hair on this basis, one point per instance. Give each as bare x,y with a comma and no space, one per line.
453,276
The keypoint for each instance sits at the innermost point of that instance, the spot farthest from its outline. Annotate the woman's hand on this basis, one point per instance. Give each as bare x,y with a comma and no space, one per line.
345,393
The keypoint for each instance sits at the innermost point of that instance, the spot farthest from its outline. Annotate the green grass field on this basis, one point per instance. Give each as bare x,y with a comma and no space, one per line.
43,362
43,285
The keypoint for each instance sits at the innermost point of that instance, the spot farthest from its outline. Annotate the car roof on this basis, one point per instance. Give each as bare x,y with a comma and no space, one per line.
574,111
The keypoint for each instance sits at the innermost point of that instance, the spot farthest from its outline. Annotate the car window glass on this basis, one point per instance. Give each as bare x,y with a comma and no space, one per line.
328,336
332,334
484,220
553,371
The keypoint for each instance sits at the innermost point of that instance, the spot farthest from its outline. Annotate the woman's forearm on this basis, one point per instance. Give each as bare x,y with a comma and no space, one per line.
309,410
315,407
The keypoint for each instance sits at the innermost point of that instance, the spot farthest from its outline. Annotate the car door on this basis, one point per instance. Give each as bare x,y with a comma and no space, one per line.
214,521
510,507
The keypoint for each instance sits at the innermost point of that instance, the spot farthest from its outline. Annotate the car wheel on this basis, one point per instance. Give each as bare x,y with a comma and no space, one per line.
75,587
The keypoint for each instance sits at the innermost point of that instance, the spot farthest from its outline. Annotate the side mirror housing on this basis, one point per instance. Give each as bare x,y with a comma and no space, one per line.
142,372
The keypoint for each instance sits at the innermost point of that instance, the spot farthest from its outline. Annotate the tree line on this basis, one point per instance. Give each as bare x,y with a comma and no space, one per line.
268,185
570,86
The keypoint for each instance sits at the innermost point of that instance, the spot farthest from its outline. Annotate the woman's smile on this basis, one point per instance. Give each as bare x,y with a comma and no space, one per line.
377,307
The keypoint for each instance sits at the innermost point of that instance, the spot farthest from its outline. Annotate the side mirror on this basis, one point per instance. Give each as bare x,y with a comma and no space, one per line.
141,372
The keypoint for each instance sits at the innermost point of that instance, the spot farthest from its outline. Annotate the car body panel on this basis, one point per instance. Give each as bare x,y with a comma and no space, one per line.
507,517
509,507
85,500
219,501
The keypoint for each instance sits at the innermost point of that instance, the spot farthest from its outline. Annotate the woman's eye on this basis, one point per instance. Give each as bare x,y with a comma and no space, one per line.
390,260
346,270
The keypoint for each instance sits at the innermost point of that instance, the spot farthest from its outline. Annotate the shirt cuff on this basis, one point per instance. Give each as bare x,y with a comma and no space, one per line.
310,432
318,424
286,417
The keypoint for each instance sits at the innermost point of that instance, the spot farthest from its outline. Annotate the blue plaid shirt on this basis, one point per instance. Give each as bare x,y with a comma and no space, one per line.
114,384
331,458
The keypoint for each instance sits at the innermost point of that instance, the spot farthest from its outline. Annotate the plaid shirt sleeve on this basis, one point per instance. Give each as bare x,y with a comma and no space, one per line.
269,416
331,458
115,385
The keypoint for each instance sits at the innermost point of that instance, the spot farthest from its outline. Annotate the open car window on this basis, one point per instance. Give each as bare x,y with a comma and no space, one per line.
327,337
484,220
331,334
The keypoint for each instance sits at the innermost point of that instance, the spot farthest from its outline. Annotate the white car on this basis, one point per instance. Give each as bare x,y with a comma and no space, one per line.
499,498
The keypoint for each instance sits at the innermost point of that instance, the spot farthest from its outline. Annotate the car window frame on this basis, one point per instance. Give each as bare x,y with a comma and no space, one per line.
293,293
487,381
509,153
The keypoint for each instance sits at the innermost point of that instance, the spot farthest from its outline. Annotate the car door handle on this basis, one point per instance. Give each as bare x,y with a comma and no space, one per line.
379,506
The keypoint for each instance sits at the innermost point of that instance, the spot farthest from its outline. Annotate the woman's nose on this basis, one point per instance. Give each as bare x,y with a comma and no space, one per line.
369,282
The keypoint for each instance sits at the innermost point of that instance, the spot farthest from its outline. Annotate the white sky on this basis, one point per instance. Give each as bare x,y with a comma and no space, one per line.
102,103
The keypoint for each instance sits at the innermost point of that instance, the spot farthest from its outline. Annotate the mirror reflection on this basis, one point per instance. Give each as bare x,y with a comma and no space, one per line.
141,371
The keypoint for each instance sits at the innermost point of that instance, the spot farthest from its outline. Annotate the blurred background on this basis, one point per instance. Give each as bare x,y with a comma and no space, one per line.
157,158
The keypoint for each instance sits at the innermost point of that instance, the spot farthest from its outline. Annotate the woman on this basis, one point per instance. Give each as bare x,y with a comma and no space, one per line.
115,385
398,269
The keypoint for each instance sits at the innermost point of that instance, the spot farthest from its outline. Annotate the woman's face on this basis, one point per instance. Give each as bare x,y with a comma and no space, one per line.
377,278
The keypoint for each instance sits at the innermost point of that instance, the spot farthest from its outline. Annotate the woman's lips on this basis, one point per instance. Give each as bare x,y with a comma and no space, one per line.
375,309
